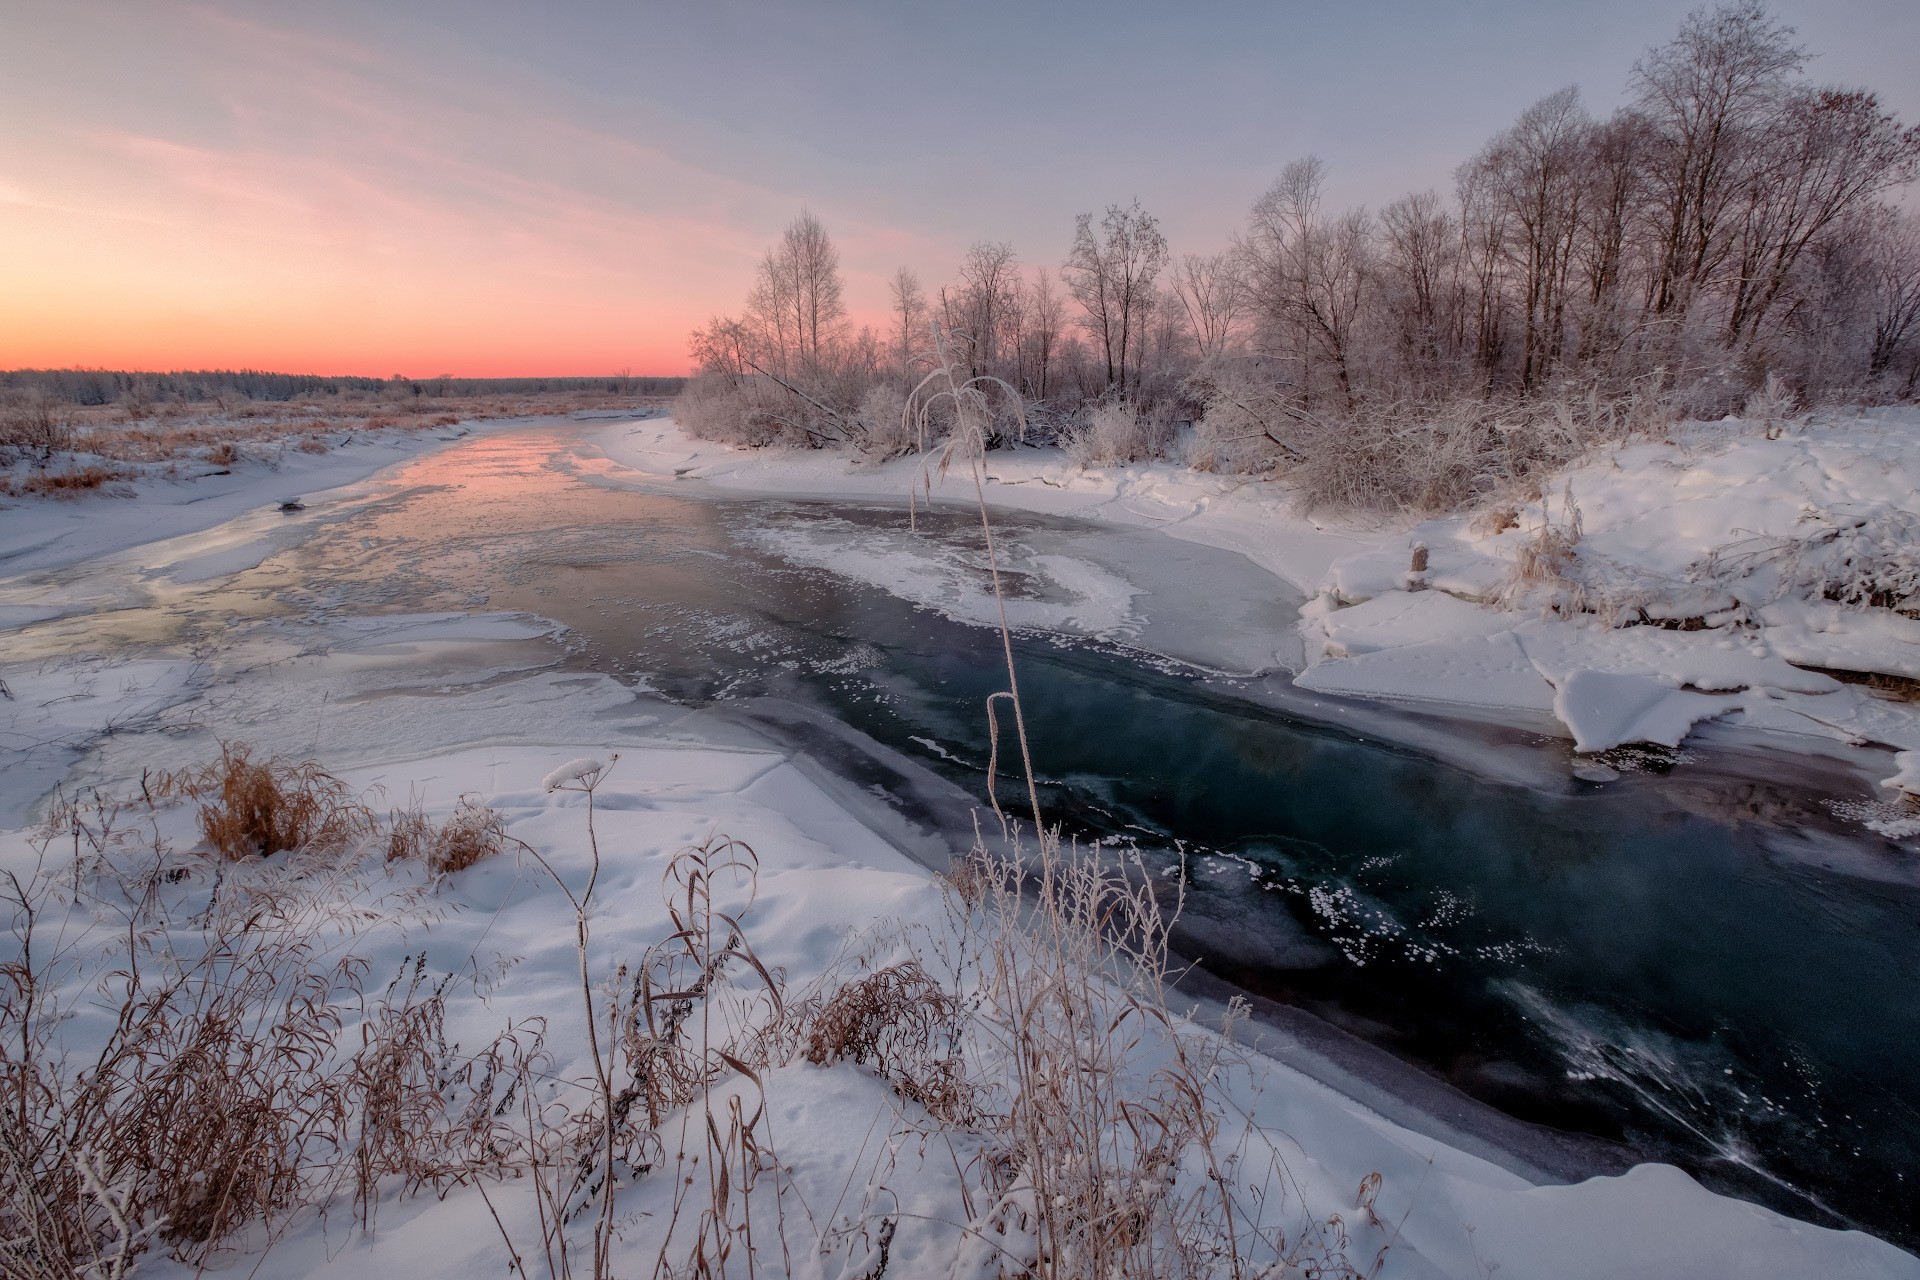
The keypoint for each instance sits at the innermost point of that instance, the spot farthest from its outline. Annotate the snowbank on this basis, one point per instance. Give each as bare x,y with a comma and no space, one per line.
159,502
434,708
1714,577
1659,586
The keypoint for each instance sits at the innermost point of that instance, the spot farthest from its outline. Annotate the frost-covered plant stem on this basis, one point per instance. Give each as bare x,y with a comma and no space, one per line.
584,777
973,415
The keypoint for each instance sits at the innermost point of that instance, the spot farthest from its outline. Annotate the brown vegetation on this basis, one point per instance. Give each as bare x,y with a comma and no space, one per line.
474,831
251,809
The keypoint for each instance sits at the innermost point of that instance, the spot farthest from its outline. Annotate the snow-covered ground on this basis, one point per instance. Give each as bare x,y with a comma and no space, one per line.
432,708
435,708
155,502
1657,587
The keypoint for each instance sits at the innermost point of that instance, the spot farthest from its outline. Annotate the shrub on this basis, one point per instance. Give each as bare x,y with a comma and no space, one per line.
1116,432
39,425
253,809
885,431
65,484
474,831
1416,457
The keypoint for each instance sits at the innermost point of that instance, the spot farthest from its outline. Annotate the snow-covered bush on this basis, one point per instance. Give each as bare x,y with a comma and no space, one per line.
1116,431
1413,457
1869,558
886,430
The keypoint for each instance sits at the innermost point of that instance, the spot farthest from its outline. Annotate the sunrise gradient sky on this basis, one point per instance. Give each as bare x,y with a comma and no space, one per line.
493,187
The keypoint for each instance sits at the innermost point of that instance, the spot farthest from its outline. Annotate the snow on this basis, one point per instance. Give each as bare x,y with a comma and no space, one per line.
51,713
1604,710
826,882
1482,671
580,773
1718,531
1395,619
436,707
37,534
938,576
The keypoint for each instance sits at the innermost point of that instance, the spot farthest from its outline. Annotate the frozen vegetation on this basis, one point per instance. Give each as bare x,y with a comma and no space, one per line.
1613,435
345,942
369,1049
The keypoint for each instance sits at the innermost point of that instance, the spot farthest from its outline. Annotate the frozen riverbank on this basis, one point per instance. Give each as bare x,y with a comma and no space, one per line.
153,502
435,706
1732,552
431,709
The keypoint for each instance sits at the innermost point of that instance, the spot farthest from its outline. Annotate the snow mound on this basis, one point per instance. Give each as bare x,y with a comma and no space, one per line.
1650,586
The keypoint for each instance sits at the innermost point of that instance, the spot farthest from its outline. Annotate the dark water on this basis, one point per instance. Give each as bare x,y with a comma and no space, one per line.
1637,961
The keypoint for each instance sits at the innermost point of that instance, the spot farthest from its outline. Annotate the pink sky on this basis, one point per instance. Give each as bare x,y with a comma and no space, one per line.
491,188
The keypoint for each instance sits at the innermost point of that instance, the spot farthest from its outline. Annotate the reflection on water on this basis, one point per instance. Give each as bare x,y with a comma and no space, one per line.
1633,961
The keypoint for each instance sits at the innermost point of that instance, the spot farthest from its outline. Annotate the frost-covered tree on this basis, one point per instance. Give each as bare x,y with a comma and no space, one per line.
1212,298
1111,273
796,301
1308,275
909,316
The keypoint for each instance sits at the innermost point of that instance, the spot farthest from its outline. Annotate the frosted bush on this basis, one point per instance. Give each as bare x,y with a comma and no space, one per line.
885,431
1868,558
1117,432
716,407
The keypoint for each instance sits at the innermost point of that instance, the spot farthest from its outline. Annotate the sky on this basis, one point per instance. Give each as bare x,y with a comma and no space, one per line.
491,187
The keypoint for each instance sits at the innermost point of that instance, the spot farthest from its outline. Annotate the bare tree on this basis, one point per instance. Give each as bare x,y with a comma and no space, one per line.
1111,275
797,300
1893,283
982,303
1308,273
1209,290
1826,156
1707,96
1534,172
1615,192
1483,236
1420,266
909,316
1046,317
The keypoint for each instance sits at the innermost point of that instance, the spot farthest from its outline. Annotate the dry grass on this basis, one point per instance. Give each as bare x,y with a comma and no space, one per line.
232,1085
70,483
472,832
251,808
906,1026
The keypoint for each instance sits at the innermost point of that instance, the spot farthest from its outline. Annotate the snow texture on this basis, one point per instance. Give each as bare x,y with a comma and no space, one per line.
826,879
441,707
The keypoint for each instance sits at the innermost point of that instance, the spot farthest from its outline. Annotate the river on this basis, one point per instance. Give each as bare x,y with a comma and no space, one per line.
1696,963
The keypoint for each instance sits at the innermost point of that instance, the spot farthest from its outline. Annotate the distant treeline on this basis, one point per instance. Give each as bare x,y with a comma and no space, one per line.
109,386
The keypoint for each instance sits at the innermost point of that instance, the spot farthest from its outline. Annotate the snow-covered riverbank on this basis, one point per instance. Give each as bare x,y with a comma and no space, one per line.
148,503
1720,576
431,709
436,707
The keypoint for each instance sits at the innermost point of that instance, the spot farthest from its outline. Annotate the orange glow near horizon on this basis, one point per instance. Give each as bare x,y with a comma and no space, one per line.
143,253
310,206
